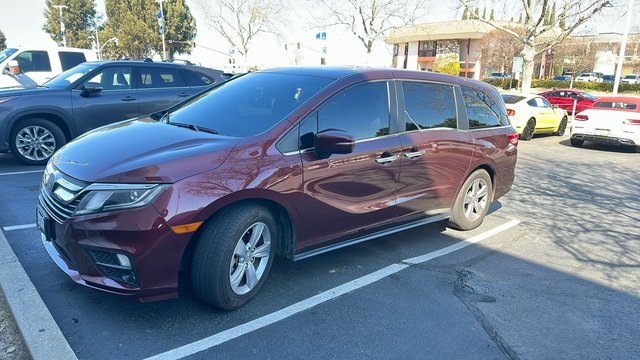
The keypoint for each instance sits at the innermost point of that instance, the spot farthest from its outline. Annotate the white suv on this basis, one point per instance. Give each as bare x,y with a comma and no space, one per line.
589,76
631,79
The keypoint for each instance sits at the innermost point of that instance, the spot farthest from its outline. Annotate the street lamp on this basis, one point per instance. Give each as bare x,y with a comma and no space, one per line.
113,39
62,29
160,16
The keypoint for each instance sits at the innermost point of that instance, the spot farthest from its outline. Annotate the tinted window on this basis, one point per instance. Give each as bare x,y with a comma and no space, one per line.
539,102
249,104
157,77
615,105
194,78
429,105
70,59
113,78
481,111
362,111
512,99
34,61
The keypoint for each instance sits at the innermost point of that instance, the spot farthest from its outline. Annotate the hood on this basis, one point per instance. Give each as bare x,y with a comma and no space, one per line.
142,150
22,90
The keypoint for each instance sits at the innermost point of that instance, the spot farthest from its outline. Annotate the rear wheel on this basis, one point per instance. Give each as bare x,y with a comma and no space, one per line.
576,142
562,127
33,141
529,129
233,256
473,201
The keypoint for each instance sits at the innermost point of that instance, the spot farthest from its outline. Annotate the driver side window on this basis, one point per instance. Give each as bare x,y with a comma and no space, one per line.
113,78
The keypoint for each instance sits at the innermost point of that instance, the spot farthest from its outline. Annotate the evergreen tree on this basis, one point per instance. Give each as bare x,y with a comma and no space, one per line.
79,21
3,41
491,17
135,24
520,19
484,13
476,13
552,17
465,14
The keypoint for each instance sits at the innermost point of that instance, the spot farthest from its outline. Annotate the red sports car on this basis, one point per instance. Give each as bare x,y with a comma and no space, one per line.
565,99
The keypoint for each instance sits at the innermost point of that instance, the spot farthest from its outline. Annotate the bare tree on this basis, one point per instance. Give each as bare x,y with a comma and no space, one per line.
576,55
499,48
240,21
539,37
370,20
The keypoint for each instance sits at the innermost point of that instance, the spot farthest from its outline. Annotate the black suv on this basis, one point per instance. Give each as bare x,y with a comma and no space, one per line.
36,121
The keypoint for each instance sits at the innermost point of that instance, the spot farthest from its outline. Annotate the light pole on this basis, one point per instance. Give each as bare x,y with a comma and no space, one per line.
160,16
62,29
623,45
114,39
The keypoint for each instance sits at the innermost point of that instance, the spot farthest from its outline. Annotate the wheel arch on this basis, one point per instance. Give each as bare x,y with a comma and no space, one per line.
56,119
286,227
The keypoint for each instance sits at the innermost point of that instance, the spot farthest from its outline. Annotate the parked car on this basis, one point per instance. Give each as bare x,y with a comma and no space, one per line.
565,99
35,66
562,78
631,79
295,162
612,120
36,121
588,77
608,78
533,114
498,75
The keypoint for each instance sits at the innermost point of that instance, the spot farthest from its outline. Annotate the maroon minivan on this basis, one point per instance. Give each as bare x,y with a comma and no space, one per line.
295,162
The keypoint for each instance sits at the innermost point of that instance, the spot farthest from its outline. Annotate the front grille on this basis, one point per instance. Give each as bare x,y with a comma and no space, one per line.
55,181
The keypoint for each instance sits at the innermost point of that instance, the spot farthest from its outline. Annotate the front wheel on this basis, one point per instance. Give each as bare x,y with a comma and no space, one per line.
233,256
33,141
562,127
473,201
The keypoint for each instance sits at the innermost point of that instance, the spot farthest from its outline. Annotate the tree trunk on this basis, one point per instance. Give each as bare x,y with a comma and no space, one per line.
528,54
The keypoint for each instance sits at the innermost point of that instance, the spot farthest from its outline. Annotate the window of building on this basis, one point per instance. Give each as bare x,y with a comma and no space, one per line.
429,105
427,48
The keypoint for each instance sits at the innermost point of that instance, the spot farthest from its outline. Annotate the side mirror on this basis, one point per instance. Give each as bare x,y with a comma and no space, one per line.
333,141
13,68
89,89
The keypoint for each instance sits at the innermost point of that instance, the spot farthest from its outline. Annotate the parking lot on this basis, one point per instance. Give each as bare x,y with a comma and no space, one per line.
554,272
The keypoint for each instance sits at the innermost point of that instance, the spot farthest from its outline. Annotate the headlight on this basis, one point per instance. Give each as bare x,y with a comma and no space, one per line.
110,197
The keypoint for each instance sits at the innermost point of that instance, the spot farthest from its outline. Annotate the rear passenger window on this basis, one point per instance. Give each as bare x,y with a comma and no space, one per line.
362,111
156,77
429,105
482,112
70,59
193,78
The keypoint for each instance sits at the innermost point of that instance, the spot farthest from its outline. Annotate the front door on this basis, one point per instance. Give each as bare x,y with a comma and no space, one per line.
353,193
117,101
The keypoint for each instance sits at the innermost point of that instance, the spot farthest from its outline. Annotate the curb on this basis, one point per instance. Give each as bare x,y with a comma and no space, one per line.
41,334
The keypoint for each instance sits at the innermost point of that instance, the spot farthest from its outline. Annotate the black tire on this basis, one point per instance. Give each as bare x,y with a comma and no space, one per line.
473,201
529,129
576,142
34,141
216,258
562,127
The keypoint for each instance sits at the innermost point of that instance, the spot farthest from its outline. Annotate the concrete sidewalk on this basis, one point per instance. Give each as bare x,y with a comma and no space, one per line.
41,334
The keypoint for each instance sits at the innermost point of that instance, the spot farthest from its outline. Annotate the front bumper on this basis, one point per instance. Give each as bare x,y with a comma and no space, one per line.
84,248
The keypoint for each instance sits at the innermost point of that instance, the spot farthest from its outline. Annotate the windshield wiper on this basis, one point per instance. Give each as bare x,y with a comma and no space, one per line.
193,127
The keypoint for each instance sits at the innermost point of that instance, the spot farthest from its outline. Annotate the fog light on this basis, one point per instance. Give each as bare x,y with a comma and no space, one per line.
124,261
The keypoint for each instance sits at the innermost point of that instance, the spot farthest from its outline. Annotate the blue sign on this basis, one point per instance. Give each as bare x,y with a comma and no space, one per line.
321,35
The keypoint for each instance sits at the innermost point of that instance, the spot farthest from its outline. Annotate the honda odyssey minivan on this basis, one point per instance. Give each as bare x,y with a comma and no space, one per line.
292,162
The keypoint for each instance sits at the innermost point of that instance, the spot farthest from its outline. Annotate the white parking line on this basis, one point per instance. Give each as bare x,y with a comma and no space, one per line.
21,172
18,227
291,310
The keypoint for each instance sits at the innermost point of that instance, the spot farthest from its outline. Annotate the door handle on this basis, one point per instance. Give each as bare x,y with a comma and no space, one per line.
128,98
387,158
413,154
183,94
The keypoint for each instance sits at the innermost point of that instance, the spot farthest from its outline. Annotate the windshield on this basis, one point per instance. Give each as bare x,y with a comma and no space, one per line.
588,96
249,104
6,53
630,77
66,78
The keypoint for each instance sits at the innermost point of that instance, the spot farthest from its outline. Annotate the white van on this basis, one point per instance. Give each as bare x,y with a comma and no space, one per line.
34,66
